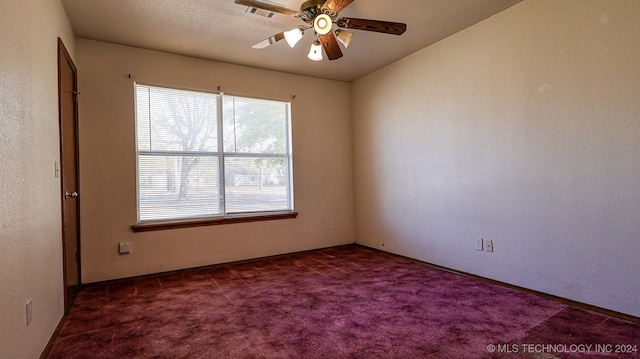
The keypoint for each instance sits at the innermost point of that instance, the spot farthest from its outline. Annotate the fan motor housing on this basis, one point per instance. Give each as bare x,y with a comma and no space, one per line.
311,3
311,8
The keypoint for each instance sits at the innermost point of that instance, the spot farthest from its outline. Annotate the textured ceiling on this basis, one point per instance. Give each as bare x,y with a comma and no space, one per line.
222,30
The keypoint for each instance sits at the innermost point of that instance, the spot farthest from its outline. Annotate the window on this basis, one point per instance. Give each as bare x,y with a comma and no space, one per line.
206,155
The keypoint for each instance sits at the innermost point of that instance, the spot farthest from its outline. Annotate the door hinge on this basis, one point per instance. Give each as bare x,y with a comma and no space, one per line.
76,96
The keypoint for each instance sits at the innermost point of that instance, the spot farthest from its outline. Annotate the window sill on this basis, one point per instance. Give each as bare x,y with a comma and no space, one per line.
158,226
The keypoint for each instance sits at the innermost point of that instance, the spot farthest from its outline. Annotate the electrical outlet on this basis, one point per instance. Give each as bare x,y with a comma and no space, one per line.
488,245
478,244
125,247
29,311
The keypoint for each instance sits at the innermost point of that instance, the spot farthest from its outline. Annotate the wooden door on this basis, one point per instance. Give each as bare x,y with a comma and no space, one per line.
68,107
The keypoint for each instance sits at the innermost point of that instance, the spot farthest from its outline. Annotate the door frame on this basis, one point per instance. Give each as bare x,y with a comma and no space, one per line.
63,53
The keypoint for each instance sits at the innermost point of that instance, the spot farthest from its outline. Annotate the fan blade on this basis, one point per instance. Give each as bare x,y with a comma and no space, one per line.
336,5
330,46
267,6
395,28
269,41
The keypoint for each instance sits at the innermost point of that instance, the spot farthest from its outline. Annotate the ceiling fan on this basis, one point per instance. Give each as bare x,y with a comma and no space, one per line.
320,15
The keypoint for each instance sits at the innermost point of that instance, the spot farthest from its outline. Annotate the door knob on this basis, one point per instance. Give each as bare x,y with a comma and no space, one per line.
72,194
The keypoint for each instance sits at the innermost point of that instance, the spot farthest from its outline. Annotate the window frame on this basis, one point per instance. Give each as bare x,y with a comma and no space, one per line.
224,217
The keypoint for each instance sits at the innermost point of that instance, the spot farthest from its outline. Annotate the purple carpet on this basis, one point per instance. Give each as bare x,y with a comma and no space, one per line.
342,302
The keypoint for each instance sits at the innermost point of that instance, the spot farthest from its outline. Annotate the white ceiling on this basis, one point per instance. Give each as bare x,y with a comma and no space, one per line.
221,30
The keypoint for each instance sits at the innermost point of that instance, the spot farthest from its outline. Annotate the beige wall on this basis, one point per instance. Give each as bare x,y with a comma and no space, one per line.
523,129
322,164
30,228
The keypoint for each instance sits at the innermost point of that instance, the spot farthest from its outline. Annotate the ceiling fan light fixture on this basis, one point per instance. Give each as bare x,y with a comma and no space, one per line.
344,37
293,36
315,53
321,15
322,24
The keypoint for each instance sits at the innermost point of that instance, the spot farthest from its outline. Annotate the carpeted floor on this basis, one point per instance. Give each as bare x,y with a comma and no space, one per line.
342,302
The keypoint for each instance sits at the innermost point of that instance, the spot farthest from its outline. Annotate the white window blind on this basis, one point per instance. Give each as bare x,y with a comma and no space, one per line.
211,155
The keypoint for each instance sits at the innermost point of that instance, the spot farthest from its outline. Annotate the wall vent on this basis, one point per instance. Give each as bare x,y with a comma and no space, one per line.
260,12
